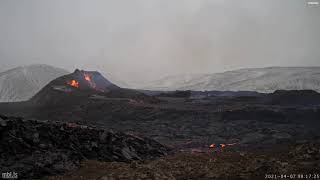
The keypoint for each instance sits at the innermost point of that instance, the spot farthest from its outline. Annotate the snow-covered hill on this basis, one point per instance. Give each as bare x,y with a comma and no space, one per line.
255,79
21,83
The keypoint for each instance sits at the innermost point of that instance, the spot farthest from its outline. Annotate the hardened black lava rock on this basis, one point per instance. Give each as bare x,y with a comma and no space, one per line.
34,149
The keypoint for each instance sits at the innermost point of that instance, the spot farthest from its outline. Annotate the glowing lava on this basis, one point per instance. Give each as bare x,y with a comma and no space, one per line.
74,83
88,78
212,146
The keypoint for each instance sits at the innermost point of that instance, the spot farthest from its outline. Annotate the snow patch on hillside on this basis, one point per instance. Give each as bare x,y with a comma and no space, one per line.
21,83
256,79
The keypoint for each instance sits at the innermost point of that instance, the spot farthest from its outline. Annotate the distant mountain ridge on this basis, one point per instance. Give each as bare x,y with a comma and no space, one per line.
21,83
264,80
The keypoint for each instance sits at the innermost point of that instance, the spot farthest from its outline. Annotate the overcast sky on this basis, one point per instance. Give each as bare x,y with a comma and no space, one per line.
142,40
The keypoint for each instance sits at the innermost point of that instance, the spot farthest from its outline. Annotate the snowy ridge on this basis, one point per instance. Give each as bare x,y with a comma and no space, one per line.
21,83
256,79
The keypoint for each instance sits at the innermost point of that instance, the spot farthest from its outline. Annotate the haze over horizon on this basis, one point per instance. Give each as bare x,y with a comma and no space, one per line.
143,40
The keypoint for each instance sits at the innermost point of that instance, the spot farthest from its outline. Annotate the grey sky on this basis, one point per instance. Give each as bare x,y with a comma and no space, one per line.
139,40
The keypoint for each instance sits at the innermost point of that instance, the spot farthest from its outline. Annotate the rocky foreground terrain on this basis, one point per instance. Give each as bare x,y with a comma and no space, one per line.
42,149
34,148
298,161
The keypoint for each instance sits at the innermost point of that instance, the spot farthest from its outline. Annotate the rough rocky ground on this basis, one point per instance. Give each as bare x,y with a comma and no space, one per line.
179,119
34,149
256,125
296,161
183,123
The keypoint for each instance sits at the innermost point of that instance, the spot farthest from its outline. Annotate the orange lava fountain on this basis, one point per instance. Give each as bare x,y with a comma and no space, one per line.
74,83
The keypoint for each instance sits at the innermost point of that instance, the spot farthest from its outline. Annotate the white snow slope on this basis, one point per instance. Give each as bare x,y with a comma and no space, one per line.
255,79
21,83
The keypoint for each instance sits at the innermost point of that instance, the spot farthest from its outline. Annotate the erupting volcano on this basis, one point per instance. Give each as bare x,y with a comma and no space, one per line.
78,86
89,80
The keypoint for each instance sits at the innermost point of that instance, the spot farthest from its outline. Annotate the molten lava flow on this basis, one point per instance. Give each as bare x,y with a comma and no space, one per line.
212,146
74,83
225,145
